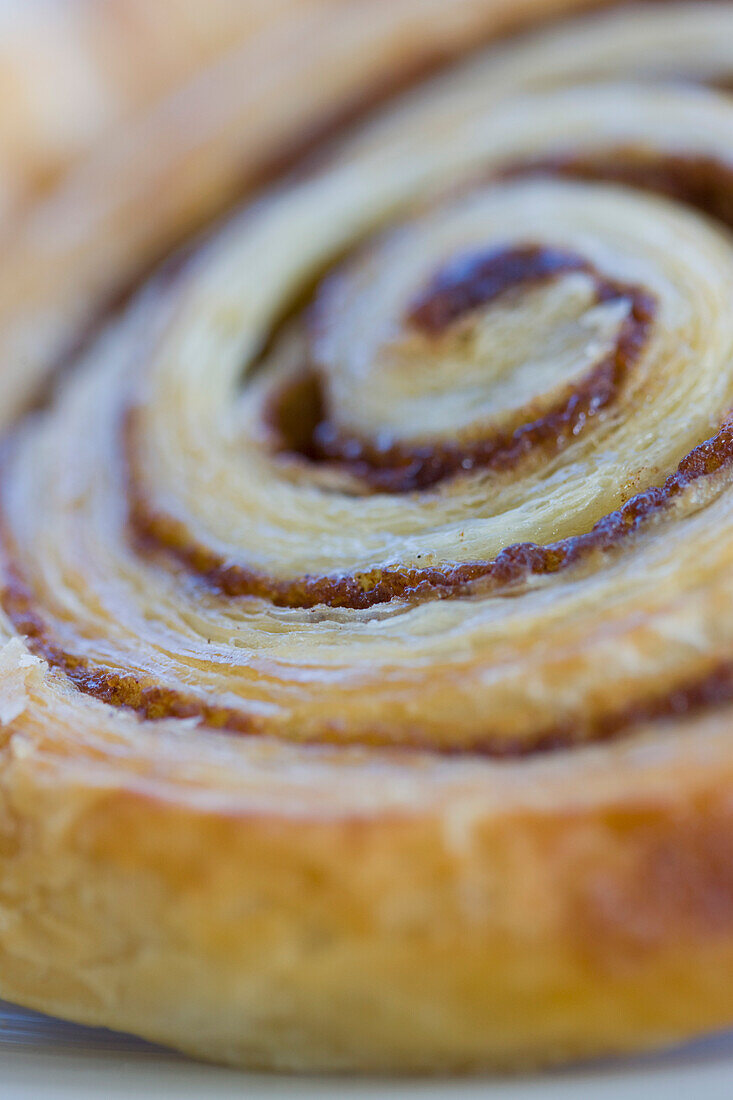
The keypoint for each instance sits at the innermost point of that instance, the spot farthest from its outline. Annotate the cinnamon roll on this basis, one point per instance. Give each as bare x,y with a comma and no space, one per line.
366,688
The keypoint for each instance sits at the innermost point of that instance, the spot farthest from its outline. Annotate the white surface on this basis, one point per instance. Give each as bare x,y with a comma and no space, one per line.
43,1059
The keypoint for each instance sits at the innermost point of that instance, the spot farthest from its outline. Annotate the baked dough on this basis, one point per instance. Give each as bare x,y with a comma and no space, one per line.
367,672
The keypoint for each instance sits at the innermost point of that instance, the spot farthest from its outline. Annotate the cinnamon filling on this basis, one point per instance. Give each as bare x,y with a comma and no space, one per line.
300,418
479,278
154,702
148,699
158,533
704,183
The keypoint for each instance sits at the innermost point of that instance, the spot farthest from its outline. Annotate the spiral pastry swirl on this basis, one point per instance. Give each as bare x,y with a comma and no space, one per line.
367,680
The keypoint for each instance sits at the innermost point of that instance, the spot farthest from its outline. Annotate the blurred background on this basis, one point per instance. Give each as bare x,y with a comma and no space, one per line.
73,70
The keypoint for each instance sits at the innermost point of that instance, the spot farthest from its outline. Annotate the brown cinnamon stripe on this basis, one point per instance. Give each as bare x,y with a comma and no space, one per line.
687,698
475,279
301,421
703,182
132,692
154,702
157,533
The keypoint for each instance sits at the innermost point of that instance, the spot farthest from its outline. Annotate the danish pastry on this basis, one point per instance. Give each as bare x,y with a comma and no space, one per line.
367,678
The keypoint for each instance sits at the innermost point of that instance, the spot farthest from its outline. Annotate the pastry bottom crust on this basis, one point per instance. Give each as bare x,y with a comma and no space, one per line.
400,942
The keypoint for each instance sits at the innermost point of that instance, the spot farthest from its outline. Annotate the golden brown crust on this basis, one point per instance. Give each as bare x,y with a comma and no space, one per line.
319,833
405,940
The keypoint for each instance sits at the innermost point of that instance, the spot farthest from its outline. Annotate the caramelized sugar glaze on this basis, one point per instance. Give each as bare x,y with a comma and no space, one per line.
516,332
